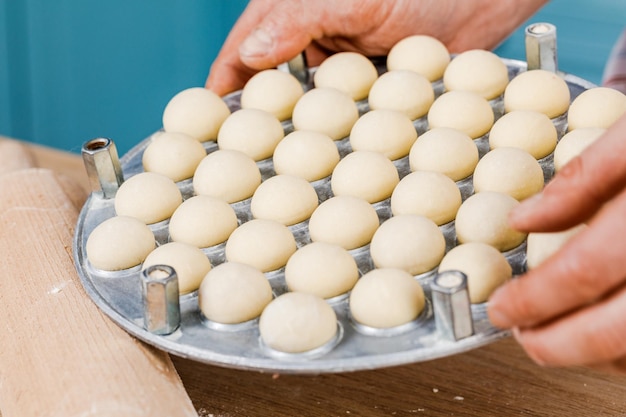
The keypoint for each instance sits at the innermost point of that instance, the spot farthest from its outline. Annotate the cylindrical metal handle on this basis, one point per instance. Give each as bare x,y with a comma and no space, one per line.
541,47
160,299
103,166
297,67
451,304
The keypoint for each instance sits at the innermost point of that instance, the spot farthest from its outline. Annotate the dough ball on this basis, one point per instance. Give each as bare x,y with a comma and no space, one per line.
445,150
347,221
485,267
404,91
540,246
230,175
408,242
264,244
349,72
203,221
529,130
323,269
385,298
274,91
197,112
233,293
423,54
297,322
386,131
483,217
574,143
478,71
325,110
148,196
596,107
175,155
365,174
284,198
189,262
429,194
537,90
118,243
512,171
251,131
462,110
306,154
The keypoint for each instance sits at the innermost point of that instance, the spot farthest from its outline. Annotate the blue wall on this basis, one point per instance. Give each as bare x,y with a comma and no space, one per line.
71,70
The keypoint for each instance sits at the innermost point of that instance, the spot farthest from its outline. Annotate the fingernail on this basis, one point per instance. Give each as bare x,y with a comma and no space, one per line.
257,44
526,207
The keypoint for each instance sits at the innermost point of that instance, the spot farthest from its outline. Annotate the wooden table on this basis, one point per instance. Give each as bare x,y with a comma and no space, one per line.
495,380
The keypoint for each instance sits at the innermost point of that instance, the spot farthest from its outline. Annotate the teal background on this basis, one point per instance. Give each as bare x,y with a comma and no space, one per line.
71,70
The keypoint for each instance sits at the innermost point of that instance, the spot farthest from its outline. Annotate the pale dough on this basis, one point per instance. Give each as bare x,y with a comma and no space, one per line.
251,131
306,154
233,293
479,71
349,222
529,130
402,90
325,110
272,90
574,143
596,107
386,298
508,170
189,262
486,268
429,194
423,54
284,198
197,112
175,155
297,322
349,72
540,246
203,221
264,244
230,175
389,132
462,110
118,243
537,90
148,196
324,269
483,217
365,174
409,242
445,150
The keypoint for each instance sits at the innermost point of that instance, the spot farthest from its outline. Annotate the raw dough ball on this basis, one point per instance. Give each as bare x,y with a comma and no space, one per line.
233,293
389,132
483,217
485,267
462,110
364,174
596,107
323,269
175,155
230,175
306,154
264,244
512,171
203,221
385,298
197,112
119,243
148,196
423,54
429,194
325,110
537,90
297,322
251,131
445,150
529,130
189,262
479,71
574,143
408,242
349,222
404,91
274,91
349,72
540,246
284,198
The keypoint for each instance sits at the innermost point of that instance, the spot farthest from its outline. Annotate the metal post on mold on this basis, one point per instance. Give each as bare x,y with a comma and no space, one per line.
297,67
160,294
541,51
451,304
103,166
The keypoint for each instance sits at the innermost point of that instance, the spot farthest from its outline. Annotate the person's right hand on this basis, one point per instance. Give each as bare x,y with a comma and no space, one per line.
270,32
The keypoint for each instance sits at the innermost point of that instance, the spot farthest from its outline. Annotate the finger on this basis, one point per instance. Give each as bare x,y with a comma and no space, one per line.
589,265
617,367
580,188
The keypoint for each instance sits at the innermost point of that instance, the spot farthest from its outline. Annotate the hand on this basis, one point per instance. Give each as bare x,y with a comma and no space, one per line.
571,310
270,32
